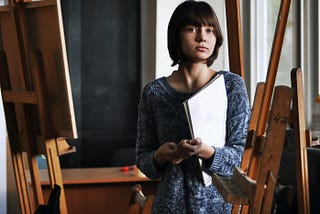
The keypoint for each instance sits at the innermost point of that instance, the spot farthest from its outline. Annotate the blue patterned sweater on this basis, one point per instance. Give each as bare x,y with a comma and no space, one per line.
161,118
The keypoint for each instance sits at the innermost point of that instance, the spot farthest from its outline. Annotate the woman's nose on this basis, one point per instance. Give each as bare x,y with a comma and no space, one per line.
201,35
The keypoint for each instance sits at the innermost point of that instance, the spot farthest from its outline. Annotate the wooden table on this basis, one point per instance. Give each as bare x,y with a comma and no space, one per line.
99,190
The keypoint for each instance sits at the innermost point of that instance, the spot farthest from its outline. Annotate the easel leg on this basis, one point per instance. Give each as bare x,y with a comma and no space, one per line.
236,209
300,141
54,170
36,184
245,209
21,181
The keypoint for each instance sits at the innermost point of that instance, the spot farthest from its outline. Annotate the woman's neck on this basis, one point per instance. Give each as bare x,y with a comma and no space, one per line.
191,77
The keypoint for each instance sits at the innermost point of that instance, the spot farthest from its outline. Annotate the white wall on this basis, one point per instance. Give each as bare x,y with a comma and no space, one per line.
165,9
3,162
3,155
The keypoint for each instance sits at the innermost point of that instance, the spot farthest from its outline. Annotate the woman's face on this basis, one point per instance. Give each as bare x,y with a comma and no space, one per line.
197,43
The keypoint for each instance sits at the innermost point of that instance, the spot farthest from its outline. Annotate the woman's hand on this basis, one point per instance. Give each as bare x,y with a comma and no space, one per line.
173,153
187,148
167,153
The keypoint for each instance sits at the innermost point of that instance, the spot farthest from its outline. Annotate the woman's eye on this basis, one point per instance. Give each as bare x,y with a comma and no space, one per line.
191,29
210,30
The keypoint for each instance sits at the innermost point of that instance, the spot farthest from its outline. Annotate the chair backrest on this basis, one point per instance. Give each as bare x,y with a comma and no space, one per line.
139,203
53,205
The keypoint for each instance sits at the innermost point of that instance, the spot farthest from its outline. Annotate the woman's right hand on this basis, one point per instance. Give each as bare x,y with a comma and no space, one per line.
167,153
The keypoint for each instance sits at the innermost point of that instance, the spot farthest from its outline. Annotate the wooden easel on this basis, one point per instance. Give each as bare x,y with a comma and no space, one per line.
254,174
36,94
257,194
234,37
242,189
302,138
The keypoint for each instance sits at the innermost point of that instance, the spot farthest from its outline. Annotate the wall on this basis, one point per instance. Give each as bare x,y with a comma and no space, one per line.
3,162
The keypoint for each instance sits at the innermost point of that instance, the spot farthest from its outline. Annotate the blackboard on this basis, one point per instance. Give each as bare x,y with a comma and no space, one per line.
103,46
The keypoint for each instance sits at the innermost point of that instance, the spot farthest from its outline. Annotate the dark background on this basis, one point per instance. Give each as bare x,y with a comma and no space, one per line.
103,46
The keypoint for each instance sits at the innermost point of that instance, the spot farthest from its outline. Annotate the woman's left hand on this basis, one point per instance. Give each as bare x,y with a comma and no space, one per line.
187,148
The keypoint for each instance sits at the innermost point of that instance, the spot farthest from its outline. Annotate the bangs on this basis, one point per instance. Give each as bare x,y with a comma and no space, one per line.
199,16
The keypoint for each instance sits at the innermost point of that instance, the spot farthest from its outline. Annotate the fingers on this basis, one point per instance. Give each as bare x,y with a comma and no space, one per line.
171,154
177,160
185,150
196,141
171,145
176,153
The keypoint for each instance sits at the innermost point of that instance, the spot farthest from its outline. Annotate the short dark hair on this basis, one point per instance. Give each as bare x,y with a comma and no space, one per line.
196,13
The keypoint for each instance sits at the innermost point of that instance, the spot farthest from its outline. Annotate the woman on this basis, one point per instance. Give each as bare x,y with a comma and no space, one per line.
164,146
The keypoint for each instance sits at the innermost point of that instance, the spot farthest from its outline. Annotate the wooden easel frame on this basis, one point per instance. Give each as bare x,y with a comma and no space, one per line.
242,189
36,93
251,158
235,49
301,140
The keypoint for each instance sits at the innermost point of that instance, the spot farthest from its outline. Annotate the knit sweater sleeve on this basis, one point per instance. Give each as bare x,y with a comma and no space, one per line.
238,116
147,141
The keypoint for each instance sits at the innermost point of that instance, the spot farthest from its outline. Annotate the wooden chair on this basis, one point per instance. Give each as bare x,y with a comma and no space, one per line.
53,205
139,203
